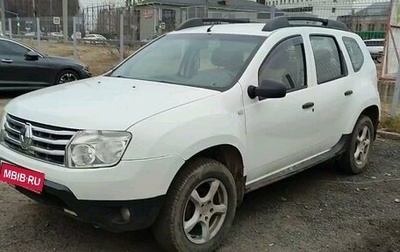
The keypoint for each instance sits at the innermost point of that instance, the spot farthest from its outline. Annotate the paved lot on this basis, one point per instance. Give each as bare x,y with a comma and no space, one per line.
317,210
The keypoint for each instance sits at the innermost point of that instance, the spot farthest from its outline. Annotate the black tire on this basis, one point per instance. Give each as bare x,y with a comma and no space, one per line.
348,161
70,75
169,227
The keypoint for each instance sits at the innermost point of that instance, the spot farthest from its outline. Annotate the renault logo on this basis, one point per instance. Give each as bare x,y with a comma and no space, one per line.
26,136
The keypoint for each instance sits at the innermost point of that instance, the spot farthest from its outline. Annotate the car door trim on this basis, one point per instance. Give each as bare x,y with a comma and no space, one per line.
339,148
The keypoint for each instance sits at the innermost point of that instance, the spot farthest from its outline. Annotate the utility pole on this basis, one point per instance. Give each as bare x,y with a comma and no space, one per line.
206,10
3,17
65,20
396,96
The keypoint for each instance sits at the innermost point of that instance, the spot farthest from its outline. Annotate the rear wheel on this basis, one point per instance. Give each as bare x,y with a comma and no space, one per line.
199,208
357,154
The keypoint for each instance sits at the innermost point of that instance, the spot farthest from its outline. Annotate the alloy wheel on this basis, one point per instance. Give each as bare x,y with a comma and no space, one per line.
363,144
67,77
205,211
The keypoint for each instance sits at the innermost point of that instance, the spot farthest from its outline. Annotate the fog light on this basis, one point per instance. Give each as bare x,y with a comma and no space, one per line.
126,214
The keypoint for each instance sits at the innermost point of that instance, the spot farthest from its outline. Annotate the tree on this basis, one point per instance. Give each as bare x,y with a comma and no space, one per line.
40,8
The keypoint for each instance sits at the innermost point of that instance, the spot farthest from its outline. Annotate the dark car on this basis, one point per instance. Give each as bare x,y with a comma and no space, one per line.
23,68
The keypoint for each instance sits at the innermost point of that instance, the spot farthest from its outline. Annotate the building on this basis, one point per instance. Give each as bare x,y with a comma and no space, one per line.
331,9
159,16
38,8
373,18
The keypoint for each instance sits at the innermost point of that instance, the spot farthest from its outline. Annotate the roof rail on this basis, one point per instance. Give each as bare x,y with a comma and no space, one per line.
282,22
193,22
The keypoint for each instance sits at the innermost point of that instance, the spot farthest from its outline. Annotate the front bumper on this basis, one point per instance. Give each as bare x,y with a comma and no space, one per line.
376,54
96,196
102,214
128,180
85,74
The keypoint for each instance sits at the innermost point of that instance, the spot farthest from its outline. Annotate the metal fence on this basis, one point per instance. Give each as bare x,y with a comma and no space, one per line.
368,18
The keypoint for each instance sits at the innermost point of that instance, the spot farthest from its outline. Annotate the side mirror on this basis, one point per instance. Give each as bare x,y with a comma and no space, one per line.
31,55
267,89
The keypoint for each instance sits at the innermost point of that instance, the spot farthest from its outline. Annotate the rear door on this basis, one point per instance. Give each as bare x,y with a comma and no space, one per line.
17,72
332,87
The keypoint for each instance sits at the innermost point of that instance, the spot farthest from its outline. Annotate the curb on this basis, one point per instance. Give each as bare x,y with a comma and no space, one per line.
388,135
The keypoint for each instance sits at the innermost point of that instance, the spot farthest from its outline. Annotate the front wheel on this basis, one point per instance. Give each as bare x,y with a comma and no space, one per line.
66,76
199,209
357,154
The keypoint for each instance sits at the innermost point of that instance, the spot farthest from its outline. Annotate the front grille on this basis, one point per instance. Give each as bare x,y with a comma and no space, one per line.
46,142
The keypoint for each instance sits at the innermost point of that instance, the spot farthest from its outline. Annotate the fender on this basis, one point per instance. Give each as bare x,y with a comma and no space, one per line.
357,112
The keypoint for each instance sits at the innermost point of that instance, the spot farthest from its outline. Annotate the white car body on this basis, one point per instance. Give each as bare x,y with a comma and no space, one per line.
94,38
171,123
375,48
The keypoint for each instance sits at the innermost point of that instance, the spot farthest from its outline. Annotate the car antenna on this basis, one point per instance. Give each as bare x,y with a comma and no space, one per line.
209,28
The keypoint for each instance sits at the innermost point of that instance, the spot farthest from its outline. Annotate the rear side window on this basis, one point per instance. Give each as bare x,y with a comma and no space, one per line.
355,53
329,61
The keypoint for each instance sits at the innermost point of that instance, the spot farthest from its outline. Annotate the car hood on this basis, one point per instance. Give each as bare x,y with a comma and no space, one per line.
63,60
102,103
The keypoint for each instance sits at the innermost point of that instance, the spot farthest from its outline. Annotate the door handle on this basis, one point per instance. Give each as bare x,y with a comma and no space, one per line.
348,92
308,105
6,61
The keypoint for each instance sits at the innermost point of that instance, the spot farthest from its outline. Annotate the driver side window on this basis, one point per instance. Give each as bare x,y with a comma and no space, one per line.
286,64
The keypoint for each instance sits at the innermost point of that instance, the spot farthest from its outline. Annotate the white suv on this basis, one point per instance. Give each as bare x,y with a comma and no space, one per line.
174,136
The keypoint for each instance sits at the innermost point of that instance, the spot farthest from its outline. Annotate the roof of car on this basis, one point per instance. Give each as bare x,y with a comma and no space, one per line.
245,27
242,29
7,38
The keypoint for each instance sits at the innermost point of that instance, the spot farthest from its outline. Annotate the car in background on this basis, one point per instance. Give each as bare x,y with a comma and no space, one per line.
7,33
95,39
23,68
375,48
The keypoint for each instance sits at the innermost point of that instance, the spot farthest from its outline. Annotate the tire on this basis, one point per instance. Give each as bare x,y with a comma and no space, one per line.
197,176
356,157
67,76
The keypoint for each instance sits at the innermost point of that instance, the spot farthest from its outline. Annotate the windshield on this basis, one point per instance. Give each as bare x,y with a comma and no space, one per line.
212,61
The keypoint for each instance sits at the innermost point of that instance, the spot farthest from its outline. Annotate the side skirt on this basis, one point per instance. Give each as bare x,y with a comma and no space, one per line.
336,150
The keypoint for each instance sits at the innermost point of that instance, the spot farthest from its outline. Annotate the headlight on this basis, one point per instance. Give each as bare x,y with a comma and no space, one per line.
91,149
2,122
85,68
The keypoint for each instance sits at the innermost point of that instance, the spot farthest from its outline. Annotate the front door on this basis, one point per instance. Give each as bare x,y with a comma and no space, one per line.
17,72
279,131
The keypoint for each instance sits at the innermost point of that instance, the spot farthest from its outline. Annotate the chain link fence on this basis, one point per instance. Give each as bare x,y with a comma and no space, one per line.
101,24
